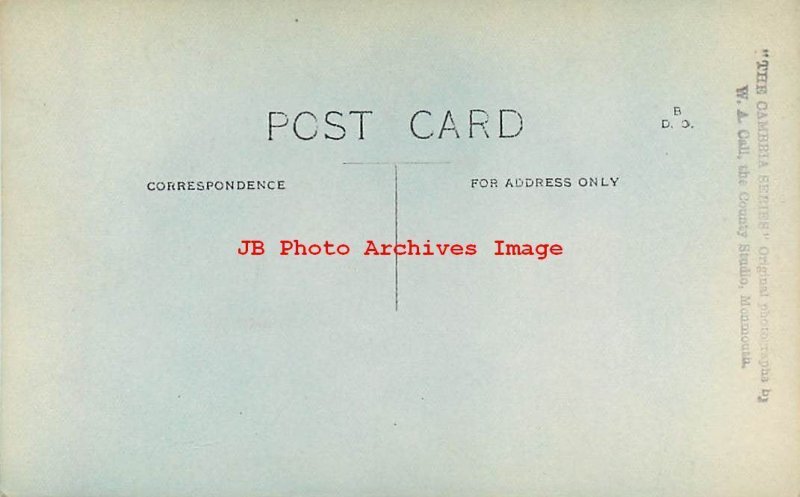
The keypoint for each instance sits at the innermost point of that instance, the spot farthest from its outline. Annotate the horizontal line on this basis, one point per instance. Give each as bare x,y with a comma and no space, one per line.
395,163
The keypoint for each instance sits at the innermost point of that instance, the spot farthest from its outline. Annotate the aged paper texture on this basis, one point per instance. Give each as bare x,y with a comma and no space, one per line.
400,249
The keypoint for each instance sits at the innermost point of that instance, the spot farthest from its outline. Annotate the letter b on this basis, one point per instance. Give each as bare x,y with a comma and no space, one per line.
251,247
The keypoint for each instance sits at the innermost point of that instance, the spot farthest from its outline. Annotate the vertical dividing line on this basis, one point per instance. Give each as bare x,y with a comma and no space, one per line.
396,285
